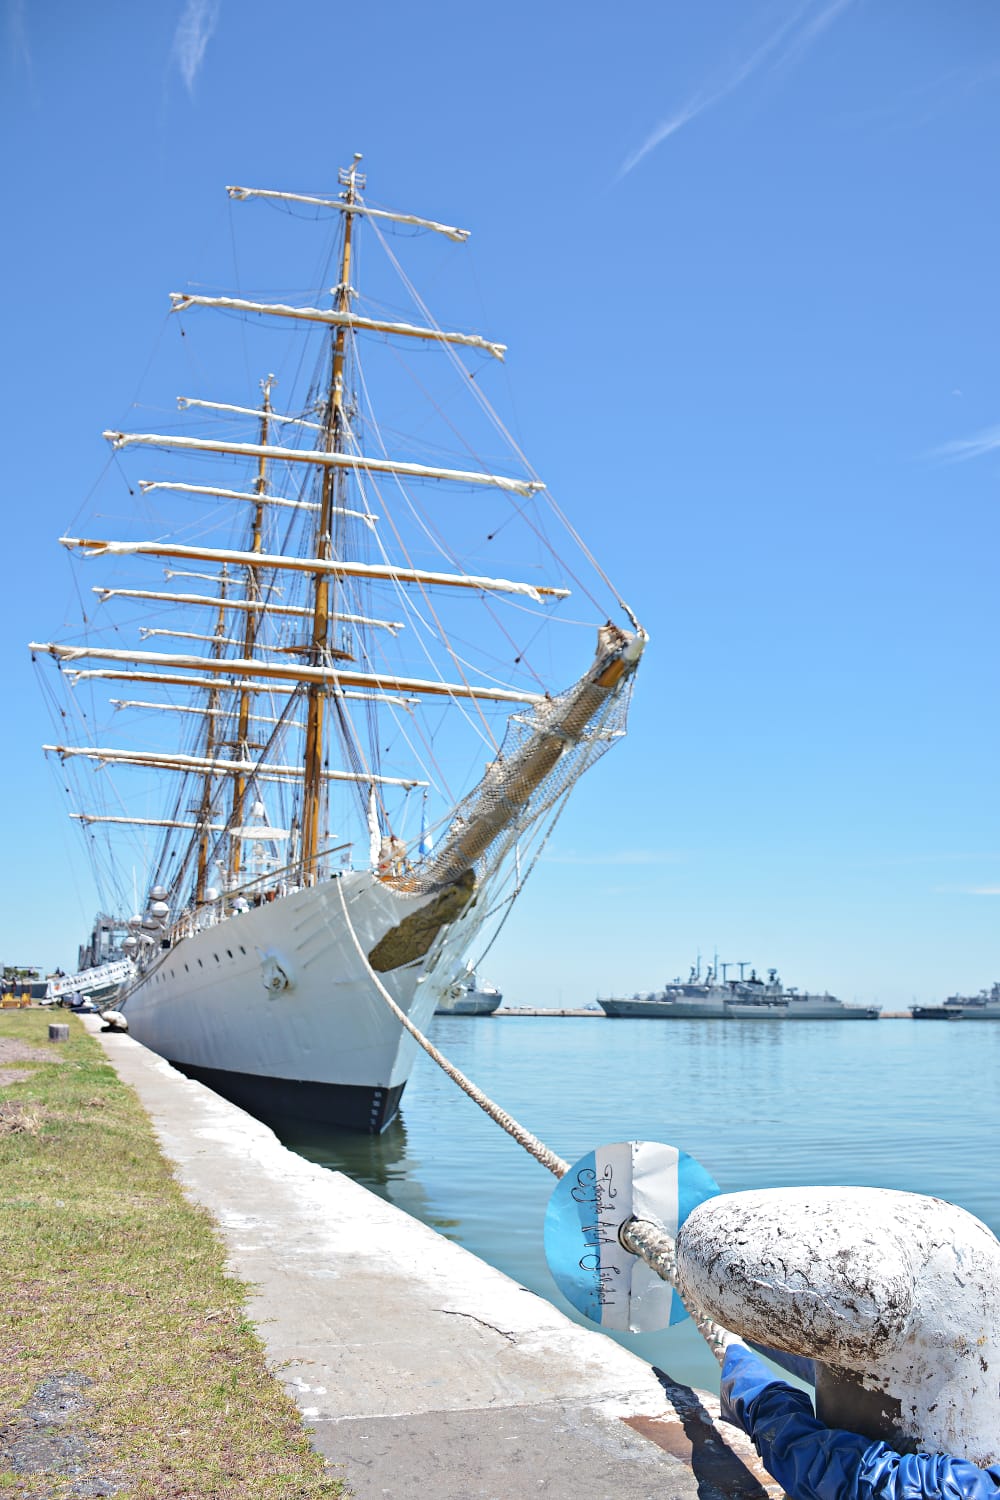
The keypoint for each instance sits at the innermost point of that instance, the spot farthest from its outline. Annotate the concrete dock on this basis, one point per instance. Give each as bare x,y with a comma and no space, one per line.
419,1370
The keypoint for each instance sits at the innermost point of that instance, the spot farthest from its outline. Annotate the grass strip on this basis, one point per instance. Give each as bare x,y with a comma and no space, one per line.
127,1363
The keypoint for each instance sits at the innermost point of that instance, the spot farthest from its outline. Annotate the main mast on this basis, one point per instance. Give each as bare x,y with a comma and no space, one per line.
313,782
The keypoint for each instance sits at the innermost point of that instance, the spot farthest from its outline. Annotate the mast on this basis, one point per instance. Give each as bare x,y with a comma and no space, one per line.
211,738
251,624
312,785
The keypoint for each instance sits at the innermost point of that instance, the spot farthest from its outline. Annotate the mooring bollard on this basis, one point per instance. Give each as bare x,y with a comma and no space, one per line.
58,1031
894,1296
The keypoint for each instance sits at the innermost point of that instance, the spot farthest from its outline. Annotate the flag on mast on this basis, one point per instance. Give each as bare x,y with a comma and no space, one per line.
374,831
426,841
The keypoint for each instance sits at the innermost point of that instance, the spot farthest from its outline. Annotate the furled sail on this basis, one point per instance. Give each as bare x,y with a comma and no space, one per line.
459,235
342,568
279,671
364,462
183,300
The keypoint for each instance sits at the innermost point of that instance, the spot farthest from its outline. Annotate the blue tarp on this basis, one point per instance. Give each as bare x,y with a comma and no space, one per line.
815,1462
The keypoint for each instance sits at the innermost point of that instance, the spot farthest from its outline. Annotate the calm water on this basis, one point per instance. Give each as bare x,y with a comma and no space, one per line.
902,1104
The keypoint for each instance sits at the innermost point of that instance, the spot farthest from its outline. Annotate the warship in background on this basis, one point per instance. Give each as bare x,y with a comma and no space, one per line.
982,1007
468,997
699,997
743,999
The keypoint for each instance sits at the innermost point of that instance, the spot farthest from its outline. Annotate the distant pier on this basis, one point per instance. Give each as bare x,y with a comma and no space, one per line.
526,1010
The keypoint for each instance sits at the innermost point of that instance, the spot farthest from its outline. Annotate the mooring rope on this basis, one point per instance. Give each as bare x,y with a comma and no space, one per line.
650,1242
658,1249
531,1143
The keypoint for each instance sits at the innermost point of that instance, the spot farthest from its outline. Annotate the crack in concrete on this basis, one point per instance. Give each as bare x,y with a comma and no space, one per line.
453,1312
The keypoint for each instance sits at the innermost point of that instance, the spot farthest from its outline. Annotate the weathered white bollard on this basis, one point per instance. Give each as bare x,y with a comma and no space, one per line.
58,1031
895,1296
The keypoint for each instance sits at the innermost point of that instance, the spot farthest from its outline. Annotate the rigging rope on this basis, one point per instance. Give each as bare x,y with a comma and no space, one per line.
515,446
648,1241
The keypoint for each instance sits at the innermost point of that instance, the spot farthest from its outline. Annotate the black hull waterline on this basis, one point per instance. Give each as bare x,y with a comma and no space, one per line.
345,1106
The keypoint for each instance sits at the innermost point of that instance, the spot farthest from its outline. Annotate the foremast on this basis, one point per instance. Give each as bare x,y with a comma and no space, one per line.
316,696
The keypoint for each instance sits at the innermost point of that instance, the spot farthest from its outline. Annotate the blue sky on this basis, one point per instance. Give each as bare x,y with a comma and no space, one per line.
744,257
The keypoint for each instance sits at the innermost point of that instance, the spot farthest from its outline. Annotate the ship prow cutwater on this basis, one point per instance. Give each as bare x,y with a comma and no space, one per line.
327,664
747,998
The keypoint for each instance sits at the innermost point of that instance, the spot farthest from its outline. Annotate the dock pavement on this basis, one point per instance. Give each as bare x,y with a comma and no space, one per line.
420,1371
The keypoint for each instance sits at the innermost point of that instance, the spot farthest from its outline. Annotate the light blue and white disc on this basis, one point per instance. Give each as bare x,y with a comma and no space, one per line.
591,1267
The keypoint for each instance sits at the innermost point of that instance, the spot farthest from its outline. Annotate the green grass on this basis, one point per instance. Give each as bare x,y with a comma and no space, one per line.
110,1273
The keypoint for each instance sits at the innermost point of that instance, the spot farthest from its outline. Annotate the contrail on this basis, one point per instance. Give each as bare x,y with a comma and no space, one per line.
786,45
971,447
194,30
17,32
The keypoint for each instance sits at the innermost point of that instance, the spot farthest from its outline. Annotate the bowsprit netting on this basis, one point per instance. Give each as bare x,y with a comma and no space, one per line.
543,753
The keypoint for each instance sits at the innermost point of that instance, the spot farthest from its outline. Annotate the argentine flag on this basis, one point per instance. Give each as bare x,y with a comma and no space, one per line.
426,842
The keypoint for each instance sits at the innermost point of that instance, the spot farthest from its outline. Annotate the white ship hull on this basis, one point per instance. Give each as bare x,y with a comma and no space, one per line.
326,1045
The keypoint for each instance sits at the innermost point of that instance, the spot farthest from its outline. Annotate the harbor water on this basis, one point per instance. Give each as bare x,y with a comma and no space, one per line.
889,1103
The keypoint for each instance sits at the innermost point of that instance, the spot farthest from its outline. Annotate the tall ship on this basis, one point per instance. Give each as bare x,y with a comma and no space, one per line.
318,693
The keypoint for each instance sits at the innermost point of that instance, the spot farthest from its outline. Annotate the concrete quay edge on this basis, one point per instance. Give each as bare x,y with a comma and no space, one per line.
419,1370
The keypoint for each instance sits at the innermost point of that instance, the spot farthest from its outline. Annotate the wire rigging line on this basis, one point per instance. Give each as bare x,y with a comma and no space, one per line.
432,533
442,635
508,437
